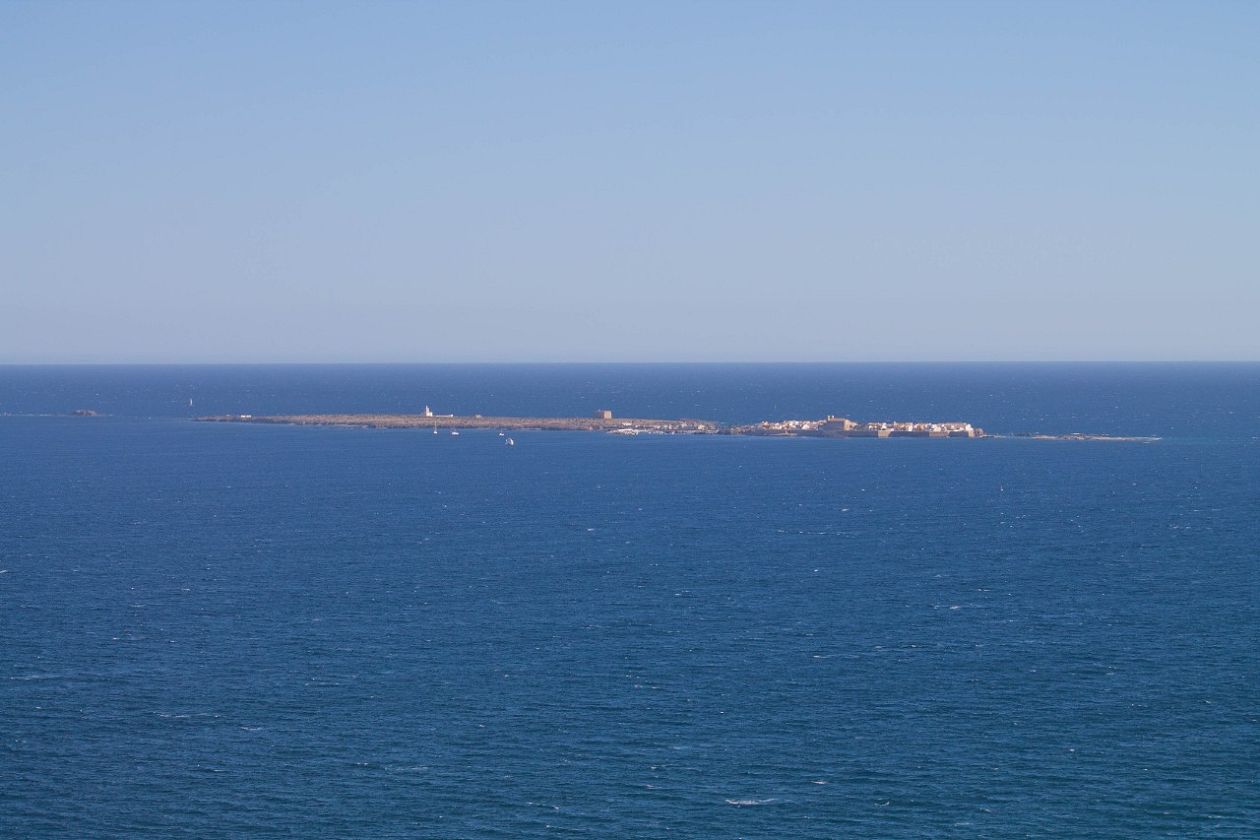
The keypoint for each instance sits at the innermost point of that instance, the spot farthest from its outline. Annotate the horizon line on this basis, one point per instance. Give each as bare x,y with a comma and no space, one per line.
629,362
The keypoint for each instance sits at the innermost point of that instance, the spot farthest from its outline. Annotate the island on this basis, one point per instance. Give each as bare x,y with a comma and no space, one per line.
600,422
603,420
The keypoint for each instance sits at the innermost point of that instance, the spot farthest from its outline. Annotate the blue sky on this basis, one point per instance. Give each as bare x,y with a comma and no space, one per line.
637,181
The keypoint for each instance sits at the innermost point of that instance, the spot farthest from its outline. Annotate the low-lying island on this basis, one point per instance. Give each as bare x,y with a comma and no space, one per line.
477,421
603,421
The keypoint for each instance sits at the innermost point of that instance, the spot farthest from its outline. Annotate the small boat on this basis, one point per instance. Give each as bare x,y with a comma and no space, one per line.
454,433
509,442
500,434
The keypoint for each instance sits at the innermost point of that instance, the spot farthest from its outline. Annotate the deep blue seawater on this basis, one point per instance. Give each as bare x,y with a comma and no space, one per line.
242,631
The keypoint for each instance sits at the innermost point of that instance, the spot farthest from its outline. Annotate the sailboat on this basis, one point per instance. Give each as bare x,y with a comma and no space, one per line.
509,442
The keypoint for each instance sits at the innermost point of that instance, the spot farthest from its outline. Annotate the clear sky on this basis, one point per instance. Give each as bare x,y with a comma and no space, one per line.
636,181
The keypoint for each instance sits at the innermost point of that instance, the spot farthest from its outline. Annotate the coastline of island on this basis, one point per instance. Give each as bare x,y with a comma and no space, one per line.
604,421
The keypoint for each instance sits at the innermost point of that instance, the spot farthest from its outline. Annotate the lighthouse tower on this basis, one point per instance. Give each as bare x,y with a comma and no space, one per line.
428,412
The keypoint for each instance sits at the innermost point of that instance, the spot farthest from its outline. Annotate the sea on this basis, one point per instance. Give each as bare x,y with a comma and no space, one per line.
228,630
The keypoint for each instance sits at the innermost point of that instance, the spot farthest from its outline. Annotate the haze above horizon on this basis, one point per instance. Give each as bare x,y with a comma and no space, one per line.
317,182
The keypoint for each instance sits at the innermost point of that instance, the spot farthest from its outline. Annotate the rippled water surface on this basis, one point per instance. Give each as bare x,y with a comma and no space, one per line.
212,630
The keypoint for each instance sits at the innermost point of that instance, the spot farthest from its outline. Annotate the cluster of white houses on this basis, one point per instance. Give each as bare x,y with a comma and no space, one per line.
844,427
